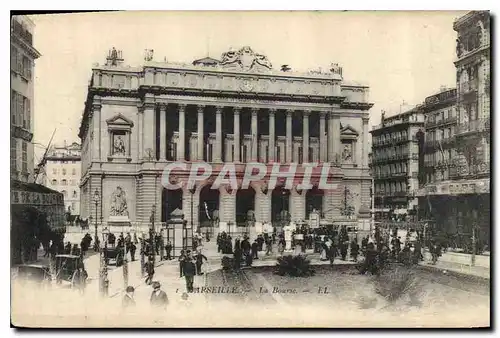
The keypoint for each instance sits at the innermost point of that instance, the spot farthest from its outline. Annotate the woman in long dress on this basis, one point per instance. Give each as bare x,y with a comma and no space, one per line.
324,249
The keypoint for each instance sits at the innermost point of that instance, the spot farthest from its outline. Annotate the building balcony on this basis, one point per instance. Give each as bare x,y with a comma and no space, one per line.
436,123
472,127
476,170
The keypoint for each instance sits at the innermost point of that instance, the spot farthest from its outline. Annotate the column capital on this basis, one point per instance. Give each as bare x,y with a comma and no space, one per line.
182,106
237,110
163,106
306,112
322,114
254,111
200,108
218,109
272,111
289,112
365,119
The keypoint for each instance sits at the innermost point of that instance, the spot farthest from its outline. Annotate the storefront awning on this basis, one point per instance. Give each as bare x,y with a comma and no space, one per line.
46,200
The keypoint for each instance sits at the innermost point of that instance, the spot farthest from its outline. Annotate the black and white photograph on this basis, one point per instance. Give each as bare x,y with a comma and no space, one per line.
250,169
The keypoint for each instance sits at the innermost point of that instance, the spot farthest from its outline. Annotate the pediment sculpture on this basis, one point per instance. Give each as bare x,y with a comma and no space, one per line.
245,59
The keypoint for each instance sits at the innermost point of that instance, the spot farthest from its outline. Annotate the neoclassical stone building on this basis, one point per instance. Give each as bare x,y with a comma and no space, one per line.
237,109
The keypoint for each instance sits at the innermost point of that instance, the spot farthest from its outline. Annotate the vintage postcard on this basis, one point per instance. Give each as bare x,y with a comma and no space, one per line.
250,169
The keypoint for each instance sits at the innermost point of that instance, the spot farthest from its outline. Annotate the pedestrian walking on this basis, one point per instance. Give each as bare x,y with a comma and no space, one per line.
189,271
354,250
199,257
168,250
150,270
158,296
133,248
128,299
181,262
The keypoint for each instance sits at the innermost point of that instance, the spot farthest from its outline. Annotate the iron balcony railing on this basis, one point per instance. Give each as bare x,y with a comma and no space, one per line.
438,122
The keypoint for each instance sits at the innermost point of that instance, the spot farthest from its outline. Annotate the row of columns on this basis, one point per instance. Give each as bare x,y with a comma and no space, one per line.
329,142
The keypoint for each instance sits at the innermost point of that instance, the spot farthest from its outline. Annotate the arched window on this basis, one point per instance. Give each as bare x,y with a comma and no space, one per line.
75,194
64,171
64,182
73,172
54,182
65,193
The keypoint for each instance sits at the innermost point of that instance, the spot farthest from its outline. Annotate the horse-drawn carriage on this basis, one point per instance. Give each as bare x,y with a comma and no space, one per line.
114,255
66,265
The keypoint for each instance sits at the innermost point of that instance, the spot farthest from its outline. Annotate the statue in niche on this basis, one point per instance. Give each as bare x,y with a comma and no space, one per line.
119,203
347,152
118,146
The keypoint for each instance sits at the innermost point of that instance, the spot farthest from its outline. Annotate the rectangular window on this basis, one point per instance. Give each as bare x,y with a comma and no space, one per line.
13,107
13,154
25,157
26,67
300,155
266,154
210,152
26,113
310,155
278,154
13,58
19,67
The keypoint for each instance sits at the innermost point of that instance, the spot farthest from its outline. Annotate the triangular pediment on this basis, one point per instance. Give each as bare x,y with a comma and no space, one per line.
348,131
119,119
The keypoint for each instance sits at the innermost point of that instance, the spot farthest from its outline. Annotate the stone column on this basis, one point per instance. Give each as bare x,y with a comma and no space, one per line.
336,139
365,143
96,131
322,137
218,134
305,137
149,131
236,134
200,133
272,137
181,152
163,132
140,118
289,157
255,136
333,138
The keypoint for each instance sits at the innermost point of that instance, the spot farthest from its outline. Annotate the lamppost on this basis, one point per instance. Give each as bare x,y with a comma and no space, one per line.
103,275
96,238
151,233
143,247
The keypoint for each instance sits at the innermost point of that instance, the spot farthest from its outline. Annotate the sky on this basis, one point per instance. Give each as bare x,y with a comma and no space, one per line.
402,56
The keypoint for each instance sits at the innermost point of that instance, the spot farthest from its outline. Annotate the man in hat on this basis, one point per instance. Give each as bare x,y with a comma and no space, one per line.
128,299
158,297
189,270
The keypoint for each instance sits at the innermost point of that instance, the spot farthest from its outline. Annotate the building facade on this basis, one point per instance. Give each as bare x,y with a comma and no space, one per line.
234,110
22,58
439,147
395,164
62,172
460,205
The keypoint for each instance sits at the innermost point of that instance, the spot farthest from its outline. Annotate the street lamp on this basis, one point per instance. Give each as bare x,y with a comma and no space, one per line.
96,202
103,275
